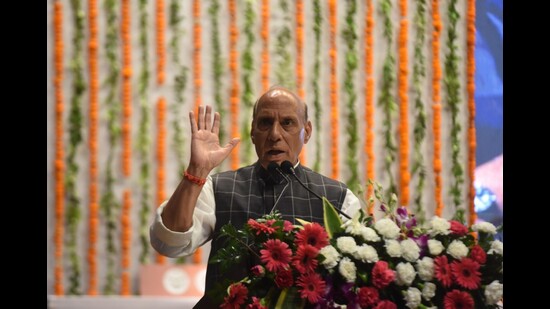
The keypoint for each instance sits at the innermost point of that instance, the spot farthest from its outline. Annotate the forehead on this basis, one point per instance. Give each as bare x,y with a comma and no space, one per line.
280,102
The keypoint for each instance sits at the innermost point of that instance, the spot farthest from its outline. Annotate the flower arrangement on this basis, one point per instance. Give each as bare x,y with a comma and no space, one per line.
392,262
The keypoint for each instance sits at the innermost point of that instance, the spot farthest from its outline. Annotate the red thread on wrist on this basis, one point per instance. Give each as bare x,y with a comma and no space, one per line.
194,179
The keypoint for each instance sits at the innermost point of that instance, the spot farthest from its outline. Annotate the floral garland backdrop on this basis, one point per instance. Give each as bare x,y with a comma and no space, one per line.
326,67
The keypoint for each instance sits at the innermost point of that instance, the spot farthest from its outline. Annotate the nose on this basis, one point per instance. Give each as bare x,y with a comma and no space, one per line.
275,132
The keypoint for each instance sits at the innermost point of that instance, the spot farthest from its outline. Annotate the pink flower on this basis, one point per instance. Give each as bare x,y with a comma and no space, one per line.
287,226
305,258
456,299
382,275
458,228
284,278
238,293
258,270
368,296
443,270
312,287
260,227
385,304
466,272
478,254
276,255
312,234
255,304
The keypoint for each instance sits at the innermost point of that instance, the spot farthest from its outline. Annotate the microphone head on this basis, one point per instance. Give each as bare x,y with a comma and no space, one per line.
287,167
272,167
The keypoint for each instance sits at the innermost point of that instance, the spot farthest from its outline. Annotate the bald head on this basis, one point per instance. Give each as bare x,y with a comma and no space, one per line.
275,91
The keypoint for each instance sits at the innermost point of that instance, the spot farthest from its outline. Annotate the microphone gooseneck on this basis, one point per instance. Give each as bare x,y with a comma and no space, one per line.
287,167
273,168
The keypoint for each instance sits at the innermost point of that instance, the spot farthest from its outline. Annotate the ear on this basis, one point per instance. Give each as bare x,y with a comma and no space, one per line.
308,128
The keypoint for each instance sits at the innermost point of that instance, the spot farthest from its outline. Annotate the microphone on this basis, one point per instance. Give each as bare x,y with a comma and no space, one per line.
272,168
287,167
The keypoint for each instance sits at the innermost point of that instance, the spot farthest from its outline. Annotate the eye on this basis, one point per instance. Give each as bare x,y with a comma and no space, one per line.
287,122
264,123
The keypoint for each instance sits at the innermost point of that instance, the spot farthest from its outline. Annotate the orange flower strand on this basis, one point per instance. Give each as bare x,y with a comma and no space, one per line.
436,107
264,33
161,58
59,163
404,175
299,60
197,52
126,243
93,112
470,81
234,95
334,111
161,136
126,89
369,105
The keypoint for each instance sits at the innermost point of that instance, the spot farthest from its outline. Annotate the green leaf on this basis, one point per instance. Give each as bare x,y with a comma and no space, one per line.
302,221
290,298
333,222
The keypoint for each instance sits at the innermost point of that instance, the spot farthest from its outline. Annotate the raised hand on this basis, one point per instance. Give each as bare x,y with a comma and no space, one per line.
206,152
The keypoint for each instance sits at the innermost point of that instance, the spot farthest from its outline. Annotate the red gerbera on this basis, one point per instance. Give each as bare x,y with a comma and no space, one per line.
456,299
478,254
287,226
443,270
312,234
312,287
466,273
368,296
261,227
256,304
305,258
238,293
276,254
284,278
382,275
386,304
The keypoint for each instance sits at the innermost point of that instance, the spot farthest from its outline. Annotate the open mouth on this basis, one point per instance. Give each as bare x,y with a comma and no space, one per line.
275,152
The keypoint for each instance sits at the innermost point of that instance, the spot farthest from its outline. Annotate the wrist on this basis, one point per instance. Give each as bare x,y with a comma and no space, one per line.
199,181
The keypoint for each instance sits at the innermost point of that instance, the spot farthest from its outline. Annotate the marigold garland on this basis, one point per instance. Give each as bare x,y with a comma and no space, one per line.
234,94
109,204
419,73
161,57
299,60
436,107
73,209
470,82
317,27
126,241
126,89
265,44
59,165
351,64
404,175
369,104
161,141
283,66
143,140
334,109
93,111
197,53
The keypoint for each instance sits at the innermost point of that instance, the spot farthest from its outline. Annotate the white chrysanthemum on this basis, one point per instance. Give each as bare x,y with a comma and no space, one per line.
425,268
435,247
412,297
410,250
387,228
496,247
331,256
493,292
393,248
369,234
347,269
439,226
353,227
404,274
346,244
457,249
429,290
486,227
366,254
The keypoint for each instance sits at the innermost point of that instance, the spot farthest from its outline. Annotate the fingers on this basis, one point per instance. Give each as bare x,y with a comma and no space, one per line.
192,122
201,117
208,118
216,127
